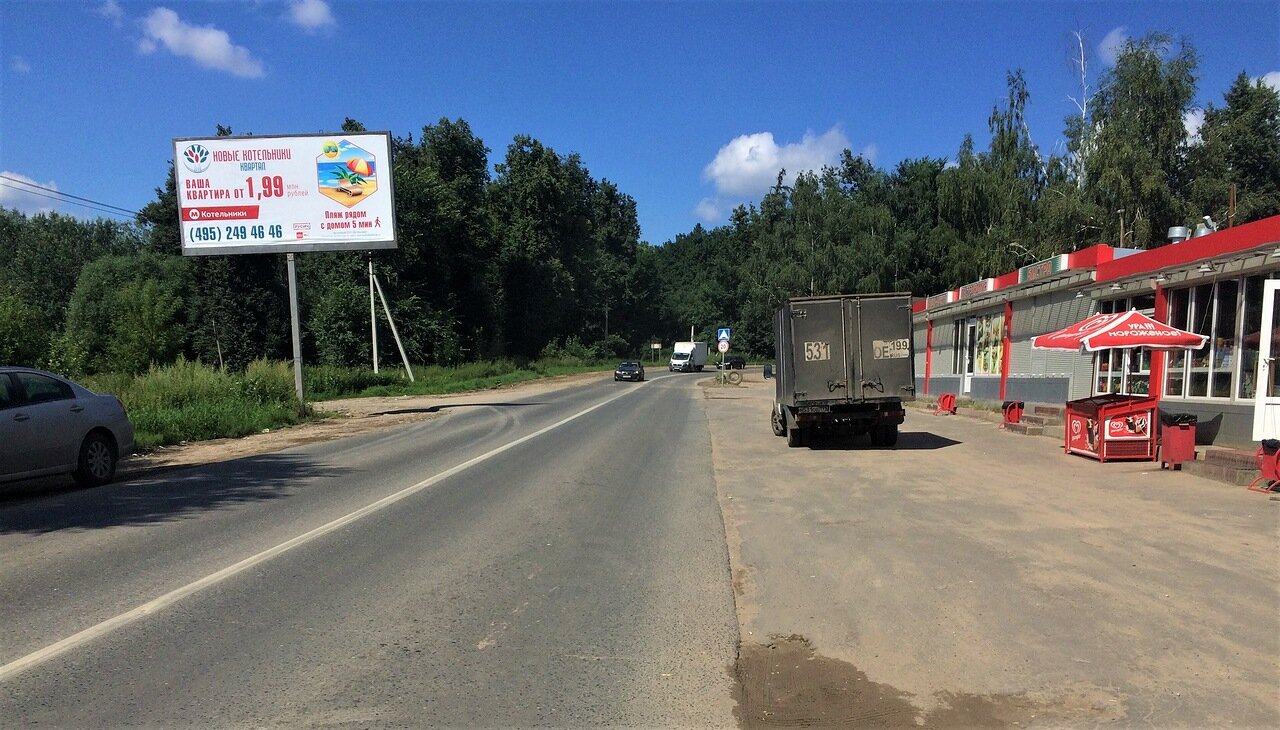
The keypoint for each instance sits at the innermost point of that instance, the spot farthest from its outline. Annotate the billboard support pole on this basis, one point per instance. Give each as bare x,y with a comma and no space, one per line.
373,317
394,333
297,331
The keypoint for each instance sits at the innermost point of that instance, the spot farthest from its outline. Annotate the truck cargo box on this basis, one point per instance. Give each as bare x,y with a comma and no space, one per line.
844,361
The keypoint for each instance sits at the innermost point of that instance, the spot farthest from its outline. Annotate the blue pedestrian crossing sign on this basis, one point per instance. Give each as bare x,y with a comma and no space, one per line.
722,334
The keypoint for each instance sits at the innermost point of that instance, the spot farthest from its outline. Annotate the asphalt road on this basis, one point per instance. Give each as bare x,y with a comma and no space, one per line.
558,560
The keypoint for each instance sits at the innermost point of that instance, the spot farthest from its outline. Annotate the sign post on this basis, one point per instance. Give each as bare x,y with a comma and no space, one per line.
722,336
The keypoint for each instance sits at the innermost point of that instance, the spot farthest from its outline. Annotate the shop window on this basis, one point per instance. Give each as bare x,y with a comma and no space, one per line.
1222,363
1230,313
1123,371
1251,326
989,350
1175,381
957,347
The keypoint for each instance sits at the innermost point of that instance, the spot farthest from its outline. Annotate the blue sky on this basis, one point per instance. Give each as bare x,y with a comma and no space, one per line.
690,108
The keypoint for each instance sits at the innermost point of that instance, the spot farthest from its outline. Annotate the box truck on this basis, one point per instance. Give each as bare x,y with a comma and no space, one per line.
688,357
845,365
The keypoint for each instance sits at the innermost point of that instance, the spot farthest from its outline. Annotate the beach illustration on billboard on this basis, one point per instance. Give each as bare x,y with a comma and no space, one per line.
345,173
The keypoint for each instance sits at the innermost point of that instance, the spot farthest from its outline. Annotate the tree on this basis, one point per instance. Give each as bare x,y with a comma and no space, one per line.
24,334
1136,168
541,209
126,313
1239,143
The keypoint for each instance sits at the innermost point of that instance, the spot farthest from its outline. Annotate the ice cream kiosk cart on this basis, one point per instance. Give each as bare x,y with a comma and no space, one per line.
1115,426
1112,427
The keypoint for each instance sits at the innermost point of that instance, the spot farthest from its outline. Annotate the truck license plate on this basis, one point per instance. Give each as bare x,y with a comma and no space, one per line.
891,349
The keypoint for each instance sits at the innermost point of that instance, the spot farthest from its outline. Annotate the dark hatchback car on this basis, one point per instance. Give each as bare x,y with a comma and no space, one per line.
733,362
629,370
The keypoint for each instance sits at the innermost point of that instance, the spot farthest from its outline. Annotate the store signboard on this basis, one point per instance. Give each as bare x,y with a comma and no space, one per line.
324,192
1042,269
937,300
983,286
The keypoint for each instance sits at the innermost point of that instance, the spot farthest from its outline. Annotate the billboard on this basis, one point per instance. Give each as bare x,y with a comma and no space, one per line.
269,194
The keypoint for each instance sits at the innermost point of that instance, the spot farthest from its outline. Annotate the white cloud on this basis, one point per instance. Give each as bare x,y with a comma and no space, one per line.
1272,79
20,65
112,11
748,166
708,210
207,46
22,197
1192,119
1110,47
311,15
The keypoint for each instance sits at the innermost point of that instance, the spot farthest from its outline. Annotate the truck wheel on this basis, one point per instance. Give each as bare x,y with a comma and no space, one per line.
779,425
886,435
797,437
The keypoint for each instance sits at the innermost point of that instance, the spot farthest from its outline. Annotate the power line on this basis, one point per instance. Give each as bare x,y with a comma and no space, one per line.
63,197
60,200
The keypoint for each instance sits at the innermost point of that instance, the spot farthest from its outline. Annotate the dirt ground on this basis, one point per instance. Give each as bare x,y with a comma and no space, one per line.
972,577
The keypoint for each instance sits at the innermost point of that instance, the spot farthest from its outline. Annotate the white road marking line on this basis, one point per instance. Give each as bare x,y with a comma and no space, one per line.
106,627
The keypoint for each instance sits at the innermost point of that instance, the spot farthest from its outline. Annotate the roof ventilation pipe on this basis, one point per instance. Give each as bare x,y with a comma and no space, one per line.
1178,234
1205,228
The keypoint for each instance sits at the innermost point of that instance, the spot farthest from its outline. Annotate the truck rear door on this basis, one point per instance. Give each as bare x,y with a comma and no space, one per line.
818,333
883,366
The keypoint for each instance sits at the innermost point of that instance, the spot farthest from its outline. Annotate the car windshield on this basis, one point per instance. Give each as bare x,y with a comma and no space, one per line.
628,365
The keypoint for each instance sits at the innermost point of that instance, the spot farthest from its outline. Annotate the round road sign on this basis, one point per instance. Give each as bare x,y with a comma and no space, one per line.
723,346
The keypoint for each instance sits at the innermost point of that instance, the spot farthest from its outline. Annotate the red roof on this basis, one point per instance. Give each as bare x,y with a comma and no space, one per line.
1265,232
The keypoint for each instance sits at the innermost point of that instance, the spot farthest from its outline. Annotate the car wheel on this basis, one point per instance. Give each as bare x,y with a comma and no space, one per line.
97,463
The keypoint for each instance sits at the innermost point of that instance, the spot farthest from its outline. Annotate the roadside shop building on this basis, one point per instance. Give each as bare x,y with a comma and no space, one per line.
975,341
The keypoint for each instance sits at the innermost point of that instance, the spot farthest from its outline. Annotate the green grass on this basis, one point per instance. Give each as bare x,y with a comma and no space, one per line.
189,401
330,383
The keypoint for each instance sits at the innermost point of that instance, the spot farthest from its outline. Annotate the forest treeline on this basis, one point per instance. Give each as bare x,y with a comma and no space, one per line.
532,255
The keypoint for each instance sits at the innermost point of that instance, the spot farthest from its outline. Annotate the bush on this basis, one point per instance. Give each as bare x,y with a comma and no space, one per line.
124,315
189,401
267,382
572,350
325,382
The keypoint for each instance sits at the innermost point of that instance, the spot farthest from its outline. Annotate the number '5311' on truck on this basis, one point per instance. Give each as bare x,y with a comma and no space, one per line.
845,366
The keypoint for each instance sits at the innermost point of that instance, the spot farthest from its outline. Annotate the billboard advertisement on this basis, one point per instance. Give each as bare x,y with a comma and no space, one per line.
267,194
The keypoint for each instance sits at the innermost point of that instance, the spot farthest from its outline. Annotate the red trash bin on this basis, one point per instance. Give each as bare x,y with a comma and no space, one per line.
1177,444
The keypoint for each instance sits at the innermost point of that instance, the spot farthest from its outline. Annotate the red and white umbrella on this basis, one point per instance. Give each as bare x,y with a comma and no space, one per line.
1118,331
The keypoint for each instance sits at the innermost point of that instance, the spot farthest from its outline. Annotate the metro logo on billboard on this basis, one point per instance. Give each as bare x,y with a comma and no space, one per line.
224,213
285,194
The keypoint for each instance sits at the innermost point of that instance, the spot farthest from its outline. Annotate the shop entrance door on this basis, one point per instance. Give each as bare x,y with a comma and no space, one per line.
970,354
1266,408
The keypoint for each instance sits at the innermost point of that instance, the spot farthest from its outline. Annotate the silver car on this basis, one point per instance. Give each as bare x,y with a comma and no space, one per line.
51,425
